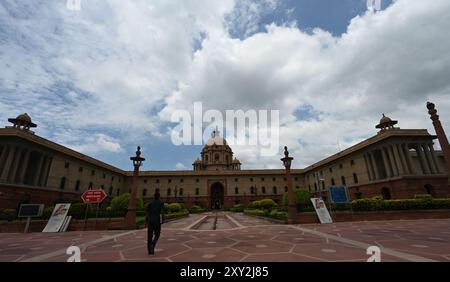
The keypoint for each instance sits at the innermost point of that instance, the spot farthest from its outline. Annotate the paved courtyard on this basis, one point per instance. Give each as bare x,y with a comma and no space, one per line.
228,237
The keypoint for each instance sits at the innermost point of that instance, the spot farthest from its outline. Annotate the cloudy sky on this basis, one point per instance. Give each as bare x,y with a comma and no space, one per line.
107,78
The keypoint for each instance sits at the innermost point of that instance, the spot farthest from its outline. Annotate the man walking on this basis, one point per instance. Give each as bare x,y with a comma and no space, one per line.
154,220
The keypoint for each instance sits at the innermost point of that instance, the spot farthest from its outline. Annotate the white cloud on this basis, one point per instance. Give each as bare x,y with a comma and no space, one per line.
180,166
390,62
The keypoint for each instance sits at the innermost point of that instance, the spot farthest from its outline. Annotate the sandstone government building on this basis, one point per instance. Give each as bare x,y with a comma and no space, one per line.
395,163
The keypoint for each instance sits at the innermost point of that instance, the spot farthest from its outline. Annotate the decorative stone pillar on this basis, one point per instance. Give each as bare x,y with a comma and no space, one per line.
440,134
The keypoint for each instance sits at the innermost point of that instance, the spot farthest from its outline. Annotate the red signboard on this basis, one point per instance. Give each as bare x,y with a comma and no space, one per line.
93,196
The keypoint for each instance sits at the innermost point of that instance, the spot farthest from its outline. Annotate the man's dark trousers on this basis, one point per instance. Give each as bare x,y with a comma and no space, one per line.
154,228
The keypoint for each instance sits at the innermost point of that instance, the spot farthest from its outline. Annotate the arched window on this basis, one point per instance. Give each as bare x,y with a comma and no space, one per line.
197,191
236,190
263,189
429,189
169,192
386,193
333,183
274,189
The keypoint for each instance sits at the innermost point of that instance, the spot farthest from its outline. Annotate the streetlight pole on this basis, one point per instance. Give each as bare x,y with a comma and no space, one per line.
292,210
130,218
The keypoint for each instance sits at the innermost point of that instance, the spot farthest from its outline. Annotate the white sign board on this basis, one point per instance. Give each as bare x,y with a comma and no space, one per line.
57,218
321,210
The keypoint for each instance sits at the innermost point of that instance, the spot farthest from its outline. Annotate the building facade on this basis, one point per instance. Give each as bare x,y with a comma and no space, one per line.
395,163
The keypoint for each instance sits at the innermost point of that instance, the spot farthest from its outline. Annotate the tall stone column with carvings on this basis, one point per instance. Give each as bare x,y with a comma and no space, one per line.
445,146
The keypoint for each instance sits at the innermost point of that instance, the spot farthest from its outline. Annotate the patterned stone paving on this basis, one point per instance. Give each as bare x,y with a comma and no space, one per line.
251,240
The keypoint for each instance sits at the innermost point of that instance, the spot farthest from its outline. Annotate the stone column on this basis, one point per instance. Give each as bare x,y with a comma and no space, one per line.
400,162
386,163
393,160
3,157
374,165
39,169
422,160
433,156
15,164
409,163
23,167
369,172
429,158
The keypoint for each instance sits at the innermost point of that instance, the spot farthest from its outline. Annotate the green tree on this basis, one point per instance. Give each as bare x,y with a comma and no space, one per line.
121,202
302,198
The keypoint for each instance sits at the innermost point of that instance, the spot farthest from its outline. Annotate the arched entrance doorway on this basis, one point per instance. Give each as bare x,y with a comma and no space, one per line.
217,196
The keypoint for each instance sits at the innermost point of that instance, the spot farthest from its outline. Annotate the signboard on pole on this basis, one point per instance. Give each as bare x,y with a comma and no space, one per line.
31,210
321,210
57,218
339,194
93,196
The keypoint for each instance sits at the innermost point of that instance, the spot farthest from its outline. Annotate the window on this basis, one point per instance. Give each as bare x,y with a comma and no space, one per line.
62,184
144,192
157,180
118,192
110,190
251,179
333,183
91,185
216,157
296,179
341,166
386,193
252,190
80,169
169,181
66,165
236,180
262,179
197,180
274,179
263,189
274,190
169,192
197,191
343,180
103,187
181,191
315,187
93,172
285,188
331,169
181,180
112,178
77,185
352,162
236,190
145,181
157,190
104,175
284,178
355,178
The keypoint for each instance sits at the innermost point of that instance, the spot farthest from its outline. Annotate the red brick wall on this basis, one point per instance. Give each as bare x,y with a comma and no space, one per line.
405,188
311,217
